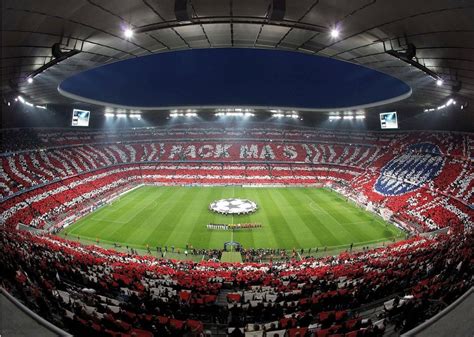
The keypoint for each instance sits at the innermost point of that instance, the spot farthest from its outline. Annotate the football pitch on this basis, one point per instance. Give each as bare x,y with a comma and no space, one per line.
178,216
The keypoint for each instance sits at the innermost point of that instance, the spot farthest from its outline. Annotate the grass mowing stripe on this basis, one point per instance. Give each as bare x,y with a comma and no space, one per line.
338,229
263,237
325,234
164,227
182,230
142,222
283,227
293,216
307,218
197,233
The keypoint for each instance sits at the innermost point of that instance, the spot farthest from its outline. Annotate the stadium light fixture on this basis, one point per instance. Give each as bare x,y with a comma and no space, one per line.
332,118
109,114
360,117
348,117
335,33
278,115
128,33
121,115
28,103
234,114
190,114
30,80
21,99
439,82
41,107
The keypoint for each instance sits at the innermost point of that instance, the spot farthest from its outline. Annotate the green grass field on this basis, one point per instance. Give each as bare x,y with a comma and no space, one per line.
176,216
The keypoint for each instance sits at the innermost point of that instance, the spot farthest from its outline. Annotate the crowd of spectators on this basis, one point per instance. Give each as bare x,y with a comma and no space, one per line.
91,291
426,179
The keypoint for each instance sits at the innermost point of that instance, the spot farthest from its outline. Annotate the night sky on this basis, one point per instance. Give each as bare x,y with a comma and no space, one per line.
234,77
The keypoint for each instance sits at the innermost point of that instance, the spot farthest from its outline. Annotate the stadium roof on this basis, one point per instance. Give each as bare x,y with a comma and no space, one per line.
441,30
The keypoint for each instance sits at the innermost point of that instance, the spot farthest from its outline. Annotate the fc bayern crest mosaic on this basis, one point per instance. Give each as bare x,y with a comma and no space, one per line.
419,164
233,206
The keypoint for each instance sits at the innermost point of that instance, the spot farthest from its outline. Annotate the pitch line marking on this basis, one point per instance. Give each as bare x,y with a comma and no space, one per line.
312,204
323,210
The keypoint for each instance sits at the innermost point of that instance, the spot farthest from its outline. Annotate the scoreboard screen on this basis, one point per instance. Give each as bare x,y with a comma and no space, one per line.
80,117
388,120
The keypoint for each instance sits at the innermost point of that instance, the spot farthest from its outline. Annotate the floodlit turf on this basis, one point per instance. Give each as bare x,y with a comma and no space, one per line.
176,216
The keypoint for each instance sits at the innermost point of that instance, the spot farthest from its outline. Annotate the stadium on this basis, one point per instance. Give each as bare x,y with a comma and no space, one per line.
235,168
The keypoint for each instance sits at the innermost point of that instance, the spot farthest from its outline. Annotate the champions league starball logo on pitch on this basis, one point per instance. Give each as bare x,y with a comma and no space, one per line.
419,164
233,206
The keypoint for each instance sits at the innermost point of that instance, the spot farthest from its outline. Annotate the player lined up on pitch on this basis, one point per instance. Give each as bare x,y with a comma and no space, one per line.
237,226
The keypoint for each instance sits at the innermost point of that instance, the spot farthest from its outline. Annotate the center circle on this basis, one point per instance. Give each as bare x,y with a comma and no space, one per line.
233,206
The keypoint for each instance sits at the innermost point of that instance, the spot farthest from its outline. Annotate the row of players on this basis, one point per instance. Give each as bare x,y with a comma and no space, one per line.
238,226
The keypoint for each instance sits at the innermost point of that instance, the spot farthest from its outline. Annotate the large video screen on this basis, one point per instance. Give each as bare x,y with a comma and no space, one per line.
388,120
80,117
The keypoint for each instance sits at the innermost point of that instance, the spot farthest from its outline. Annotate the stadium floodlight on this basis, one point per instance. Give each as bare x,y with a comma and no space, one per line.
249,114
176,114
278,115
8,103
41,107
360,117
190,114
21,99
331,118
334,33
234,114
28,103
109,114
128,33
348,117
121,115
30,80
439,82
